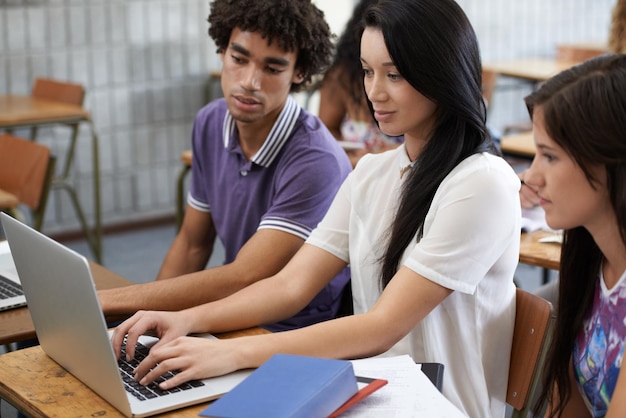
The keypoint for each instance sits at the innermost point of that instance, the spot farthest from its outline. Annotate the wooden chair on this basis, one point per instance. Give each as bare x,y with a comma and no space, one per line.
185,158
62,92
71,94
26,170
533,327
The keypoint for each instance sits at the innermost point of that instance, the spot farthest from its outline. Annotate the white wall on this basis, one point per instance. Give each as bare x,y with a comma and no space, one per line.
145,64
337,12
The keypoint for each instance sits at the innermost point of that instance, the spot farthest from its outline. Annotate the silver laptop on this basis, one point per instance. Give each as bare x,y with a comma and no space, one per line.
71,328
11,294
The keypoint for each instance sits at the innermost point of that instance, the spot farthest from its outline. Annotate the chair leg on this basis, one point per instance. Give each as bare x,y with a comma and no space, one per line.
40,212
180,196
91,235
94,237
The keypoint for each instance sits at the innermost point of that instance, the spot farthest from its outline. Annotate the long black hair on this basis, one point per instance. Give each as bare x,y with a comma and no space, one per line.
434,47
584,112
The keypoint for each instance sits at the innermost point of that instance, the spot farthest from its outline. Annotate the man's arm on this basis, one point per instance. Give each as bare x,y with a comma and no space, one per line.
263,255
192,247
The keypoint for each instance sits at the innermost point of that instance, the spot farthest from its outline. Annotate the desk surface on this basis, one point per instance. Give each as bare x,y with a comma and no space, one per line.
542,254
531,69
28,111
39,387
8,200
17,325
519,144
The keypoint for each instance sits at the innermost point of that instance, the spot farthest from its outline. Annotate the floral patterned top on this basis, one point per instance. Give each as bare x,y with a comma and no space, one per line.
599,347
368,134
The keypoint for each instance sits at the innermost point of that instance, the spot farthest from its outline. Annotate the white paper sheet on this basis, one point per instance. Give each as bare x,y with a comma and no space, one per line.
409,393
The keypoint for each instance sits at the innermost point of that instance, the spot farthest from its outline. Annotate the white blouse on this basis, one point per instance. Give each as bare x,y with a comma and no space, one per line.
470,244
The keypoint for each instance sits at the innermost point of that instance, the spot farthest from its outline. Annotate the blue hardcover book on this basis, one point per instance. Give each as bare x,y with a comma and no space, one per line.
289,386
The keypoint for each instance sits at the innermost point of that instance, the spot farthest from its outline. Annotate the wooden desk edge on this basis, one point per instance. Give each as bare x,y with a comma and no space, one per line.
8,200
533,252
533,69
518,144
17,325
18,110
15,367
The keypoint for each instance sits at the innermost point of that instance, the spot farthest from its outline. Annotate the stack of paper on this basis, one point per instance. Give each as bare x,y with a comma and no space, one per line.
408,393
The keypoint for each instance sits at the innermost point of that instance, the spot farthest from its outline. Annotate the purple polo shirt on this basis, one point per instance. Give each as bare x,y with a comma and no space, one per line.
287,185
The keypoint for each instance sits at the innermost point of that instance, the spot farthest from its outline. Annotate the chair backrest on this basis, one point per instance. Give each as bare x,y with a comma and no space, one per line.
531,336
59,91
26,171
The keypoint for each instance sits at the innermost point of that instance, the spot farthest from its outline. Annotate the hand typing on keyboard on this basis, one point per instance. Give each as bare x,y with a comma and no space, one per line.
159,324
174,351
152,390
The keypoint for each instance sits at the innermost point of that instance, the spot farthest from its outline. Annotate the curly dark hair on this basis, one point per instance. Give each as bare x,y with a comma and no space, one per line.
347,58
297,25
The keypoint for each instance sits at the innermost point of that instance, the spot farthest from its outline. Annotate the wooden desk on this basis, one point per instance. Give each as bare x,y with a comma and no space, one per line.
26,111
521,144
20,111
581,51
17,325
542,254
530,69
8,200
39,387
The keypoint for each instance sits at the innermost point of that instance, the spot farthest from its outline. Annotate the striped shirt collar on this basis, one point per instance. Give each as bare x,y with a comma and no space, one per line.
281,131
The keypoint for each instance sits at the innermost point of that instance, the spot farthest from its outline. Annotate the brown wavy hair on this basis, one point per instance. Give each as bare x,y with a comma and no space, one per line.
585,114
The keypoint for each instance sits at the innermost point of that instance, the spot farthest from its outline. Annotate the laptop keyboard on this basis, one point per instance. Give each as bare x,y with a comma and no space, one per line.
152,390
9,288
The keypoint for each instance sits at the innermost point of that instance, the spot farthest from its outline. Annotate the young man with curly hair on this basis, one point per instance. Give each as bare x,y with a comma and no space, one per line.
264,170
